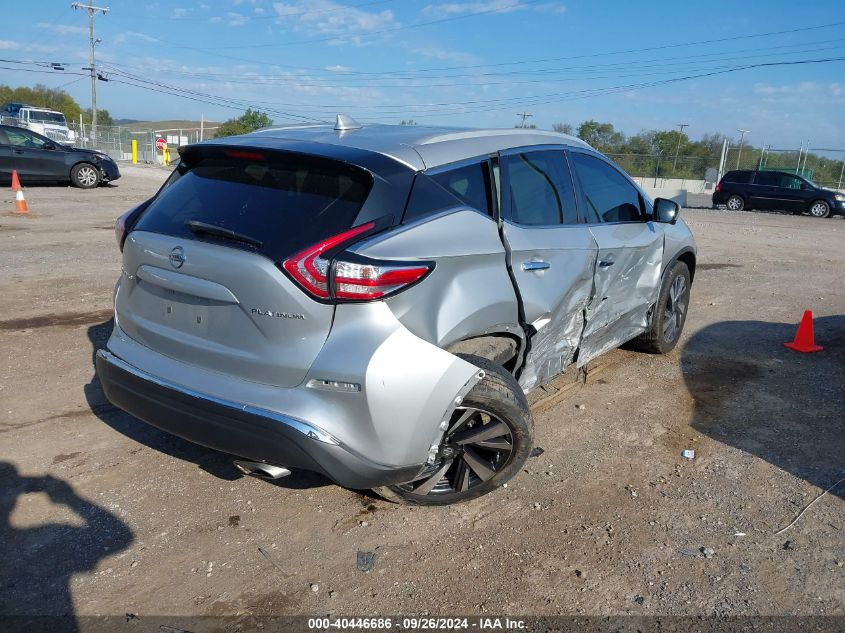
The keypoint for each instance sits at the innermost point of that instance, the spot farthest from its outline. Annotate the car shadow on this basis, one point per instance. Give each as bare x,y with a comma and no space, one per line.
213,462
40,561
782,406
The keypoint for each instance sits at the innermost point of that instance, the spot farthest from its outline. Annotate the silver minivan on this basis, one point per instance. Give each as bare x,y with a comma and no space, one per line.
373,302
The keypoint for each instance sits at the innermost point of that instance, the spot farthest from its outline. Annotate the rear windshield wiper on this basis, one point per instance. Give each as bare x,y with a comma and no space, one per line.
218,231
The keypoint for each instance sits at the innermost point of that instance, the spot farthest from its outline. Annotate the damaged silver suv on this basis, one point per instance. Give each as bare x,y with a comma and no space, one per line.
373,302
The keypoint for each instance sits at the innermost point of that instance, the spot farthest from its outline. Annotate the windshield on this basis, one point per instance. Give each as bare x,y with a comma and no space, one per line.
47,117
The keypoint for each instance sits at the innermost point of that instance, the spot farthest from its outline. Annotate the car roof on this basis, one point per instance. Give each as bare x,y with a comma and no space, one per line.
420,147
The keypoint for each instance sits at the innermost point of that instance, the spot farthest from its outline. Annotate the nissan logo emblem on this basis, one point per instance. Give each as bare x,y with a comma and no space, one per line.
177,257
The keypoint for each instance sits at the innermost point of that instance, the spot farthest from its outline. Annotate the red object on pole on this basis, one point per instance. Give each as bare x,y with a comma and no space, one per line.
161,144
804,341
16,183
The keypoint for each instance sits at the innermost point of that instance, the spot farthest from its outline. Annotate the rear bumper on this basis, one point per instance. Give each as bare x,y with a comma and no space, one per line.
243,430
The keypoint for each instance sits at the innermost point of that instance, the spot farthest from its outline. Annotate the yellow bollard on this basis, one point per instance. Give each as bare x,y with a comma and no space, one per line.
134,152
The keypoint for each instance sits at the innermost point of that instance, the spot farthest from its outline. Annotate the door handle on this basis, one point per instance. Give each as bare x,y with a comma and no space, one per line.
606,262
535,265
18,151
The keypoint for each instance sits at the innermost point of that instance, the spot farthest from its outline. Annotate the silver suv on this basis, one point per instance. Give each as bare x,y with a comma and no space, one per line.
373,302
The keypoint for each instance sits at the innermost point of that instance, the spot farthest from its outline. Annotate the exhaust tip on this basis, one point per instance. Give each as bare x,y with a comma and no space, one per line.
260,469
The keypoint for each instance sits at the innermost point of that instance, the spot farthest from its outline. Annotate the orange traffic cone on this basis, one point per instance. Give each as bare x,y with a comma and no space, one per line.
804,338
20,203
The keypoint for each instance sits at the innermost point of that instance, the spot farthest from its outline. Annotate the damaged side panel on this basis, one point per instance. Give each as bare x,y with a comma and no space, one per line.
552,268
627,281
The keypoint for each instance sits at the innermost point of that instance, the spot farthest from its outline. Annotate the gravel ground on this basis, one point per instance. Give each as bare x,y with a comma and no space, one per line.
102,514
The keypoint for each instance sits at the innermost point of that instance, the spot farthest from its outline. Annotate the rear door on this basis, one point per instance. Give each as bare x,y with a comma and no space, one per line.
630,255
765,192
551,257
223,303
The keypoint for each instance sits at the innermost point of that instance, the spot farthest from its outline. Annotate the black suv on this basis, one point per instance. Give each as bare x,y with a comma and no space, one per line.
776,190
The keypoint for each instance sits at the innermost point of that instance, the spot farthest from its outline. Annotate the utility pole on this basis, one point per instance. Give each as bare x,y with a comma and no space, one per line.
678,149
524,115
92,11
741,139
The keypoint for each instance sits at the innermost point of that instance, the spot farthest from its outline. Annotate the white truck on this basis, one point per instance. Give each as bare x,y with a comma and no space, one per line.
49,123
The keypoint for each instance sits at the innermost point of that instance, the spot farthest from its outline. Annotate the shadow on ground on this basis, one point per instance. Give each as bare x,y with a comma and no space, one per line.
755,395
214,462
38,562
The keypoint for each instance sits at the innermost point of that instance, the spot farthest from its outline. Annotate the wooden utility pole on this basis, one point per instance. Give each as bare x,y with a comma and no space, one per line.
92,11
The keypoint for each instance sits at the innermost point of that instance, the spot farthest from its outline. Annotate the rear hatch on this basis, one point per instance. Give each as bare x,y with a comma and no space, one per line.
202,280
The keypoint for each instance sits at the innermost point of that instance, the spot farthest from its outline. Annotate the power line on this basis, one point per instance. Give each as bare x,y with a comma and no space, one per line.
213,51
484,105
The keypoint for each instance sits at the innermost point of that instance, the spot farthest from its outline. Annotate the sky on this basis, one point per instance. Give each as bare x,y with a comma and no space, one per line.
481,63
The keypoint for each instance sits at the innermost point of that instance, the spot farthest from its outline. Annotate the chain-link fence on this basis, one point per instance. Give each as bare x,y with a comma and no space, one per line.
116,140
656,169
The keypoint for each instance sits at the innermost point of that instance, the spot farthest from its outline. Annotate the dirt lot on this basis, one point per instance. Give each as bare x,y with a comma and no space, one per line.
100,514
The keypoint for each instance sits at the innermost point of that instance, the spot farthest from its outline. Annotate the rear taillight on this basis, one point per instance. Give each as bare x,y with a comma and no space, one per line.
361,282
312,271
353,278
718,186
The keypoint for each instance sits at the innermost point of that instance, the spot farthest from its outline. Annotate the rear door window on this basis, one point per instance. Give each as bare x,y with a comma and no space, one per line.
282,202
540,188
737,176
767,178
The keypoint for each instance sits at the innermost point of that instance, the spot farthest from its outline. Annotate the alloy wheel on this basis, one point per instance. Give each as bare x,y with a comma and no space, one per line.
734,203
476,446
87,176
676,307
819,210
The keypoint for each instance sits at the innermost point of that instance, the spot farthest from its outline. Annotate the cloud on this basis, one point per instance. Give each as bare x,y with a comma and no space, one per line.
337,68
446,55
786,89
488,6
63,29
18,46
328,18
130,36
231,18
179,12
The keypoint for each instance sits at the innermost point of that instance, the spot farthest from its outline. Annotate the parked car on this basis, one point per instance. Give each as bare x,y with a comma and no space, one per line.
39,159
776,190
373,302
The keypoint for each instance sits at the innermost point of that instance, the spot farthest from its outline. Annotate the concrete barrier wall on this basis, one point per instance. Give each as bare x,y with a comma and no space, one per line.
678,195
693,186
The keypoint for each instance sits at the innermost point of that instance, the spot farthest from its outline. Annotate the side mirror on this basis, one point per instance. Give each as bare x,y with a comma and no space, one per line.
51,146
805,186
666,211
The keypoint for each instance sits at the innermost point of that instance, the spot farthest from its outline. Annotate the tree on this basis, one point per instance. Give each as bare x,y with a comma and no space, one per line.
103,117
407,122
249,121
601,136
41,96
563,128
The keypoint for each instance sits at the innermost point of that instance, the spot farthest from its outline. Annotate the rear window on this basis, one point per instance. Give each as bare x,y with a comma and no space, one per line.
284,201
737,176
